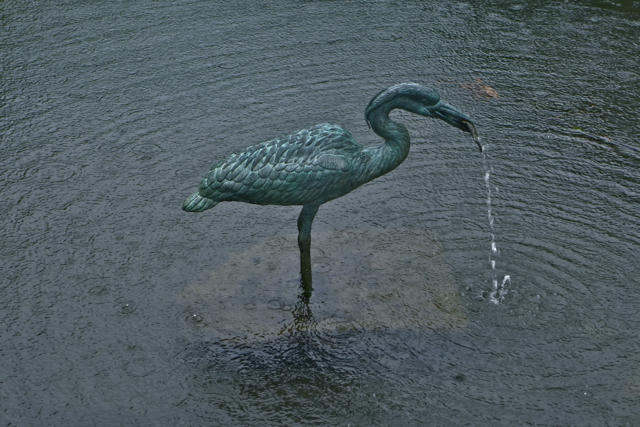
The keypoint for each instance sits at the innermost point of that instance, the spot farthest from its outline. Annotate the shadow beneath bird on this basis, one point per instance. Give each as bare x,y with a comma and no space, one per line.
367,278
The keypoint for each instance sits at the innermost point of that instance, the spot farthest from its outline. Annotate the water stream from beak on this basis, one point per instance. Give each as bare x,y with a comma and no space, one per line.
499,289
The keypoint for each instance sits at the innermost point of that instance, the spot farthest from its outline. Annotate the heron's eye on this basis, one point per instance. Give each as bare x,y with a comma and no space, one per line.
429,101
431,98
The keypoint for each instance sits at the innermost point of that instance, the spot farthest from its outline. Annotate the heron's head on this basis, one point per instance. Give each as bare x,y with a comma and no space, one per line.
424,101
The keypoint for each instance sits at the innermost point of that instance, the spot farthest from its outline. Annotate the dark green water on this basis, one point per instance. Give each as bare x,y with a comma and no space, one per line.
117,308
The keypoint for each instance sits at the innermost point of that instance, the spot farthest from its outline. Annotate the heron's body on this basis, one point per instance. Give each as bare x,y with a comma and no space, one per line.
313,165
318,164
310,166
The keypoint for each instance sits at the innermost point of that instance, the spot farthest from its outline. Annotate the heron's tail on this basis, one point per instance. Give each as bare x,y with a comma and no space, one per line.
197,203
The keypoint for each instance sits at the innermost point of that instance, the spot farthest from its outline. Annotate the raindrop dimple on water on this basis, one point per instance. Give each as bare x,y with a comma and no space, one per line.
127,308
275,305
194,319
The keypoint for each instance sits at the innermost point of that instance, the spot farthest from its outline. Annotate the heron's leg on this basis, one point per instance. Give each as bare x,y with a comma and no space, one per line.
304,242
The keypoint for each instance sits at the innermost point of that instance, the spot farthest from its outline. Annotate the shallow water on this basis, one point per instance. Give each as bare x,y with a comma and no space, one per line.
120,309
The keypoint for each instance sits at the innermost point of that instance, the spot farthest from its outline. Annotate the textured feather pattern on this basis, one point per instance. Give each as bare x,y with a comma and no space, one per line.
310,166
197,203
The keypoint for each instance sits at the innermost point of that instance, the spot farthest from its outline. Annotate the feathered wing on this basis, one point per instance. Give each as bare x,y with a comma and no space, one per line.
310,166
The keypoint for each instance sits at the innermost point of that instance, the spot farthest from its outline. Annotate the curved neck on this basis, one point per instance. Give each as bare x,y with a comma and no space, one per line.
395,149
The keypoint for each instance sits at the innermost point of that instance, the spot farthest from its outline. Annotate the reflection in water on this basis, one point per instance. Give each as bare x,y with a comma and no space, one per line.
294,376
316,378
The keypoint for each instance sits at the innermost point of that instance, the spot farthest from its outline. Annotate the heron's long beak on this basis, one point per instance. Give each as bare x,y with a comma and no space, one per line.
456,118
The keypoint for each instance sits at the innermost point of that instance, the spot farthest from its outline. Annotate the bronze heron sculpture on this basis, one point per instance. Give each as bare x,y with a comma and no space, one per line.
315,165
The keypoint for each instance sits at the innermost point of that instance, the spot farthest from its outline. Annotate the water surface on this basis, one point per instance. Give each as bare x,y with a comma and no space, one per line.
120,309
